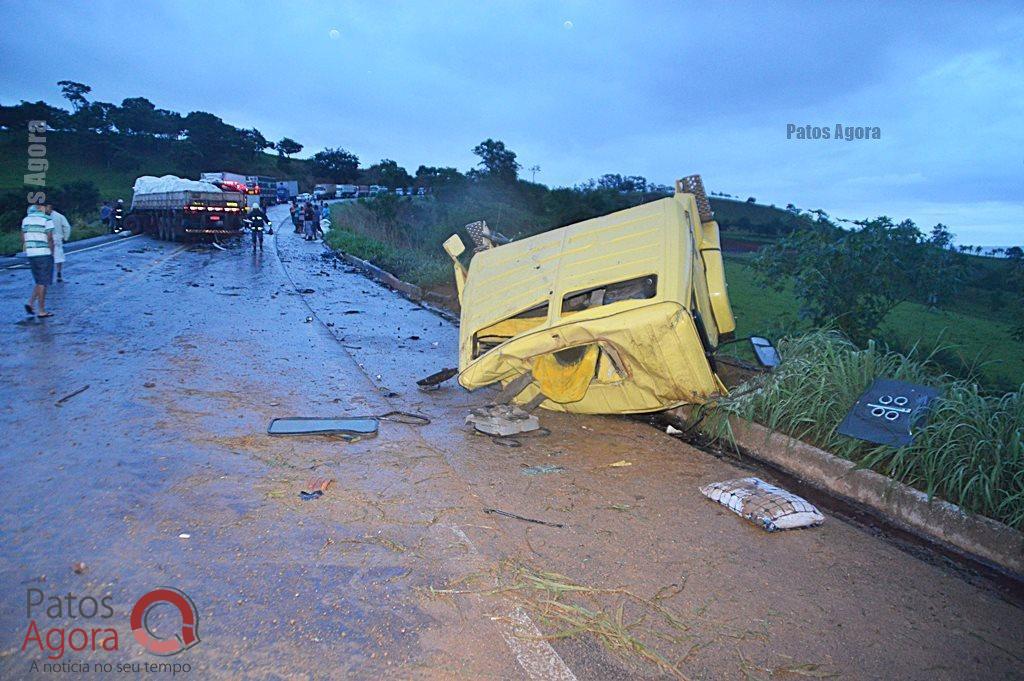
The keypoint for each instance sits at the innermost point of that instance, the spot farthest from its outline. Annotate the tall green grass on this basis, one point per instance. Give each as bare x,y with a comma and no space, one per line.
970,452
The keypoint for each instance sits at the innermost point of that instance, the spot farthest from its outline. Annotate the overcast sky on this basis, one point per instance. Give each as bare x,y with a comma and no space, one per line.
580,89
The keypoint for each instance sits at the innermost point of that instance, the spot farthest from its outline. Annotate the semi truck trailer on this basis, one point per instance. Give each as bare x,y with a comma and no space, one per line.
182,214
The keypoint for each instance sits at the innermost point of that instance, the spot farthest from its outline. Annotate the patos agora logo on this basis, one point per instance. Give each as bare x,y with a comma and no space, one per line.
86,612
187,637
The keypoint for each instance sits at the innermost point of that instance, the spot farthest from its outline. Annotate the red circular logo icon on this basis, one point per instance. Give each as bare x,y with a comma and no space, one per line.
186,638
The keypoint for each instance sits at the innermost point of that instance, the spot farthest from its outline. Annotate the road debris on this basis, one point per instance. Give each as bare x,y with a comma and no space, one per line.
542,469
888,412
71,394
149,384
78,568
349,428
495,511
184,535
620,464
318,484
765,505
502,420
434,380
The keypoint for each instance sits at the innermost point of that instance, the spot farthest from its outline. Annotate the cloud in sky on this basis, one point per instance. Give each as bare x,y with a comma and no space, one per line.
656,89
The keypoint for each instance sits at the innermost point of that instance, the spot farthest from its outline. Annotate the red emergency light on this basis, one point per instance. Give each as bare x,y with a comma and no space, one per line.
232,186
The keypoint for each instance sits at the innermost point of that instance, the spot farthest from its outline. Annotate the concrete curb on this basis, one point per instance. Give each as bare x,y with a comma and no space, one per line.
905,507
69,247
427,299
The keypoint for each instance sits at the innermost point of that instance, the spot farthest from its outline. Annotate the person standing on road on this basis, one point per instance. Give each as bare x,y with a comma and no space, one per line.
37,239
309,222
105,213
117,217
323,224
257,221
61,233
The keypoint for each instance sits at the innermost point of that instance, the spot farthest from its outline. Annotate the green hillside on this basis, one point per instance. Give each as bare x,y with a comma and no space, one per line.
115,175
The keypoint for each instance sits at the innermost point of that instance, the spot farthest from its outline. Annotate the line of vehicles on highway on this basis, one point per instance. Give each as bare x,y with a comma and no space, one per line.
356,191
216,205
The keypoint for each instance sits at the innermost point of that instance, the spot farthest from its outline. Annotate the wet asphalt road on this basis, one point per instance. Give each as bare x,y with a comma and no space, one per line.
189,351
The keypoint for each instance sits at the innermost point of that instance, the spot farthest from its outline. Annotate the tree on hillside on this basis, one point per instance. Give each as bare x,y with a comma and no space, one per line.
438,178
336,165
253,142
287,146
211,142
497,160
94,117
941,237
853,278
387,173
1015,253
136,116
75,93
616,182
17,116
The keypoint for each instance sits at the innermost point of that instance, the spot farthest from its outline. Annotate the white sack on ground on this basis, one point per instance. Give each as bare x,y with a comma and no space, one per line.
771,507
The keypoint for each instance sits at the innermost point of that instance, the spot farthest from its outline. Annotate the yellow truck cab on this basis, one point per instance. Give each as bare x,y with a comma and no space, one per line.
617,314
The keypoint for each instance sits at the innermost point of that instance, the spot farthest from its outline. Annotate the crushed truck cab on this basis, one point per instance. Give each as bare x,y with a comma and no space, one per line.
618,314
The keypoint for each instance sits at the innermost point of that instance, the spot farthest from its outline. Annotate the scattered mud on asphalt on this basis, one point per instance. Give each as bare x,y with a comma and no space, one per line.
178,484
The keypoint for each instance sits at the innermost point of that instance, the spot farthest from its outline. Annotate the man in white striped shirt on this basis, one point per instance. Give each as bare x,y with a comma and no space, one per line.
37,238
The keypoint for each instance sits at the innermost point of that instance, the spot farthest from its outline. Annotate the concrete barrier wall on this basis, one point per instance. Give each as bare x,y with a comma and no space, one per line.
903,506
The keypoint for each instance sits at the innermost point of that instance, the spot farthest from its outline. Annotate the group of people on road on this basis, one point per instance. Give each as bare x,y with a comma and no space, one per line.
307,219
43,233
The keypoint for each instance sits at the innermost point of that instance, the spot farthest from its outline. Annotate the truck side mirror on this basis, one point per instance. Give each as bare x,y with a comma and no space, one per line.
766,354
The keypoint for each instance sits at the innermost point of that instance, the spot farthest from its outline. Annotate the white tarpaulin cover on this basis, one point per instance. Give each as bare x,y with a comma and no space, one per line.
148,184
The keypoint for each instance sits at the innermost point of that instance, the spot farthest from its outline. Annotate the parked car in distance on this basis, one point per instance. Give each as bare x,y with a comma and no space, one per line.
304,196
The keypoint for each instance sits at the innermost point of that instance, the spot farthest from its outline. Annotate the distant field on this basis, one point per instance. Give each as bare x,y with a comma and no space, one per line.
973,340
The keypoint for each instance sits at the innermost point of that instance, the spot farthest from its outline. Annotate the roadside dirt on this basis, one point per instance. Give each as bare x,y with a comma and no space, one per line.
398,571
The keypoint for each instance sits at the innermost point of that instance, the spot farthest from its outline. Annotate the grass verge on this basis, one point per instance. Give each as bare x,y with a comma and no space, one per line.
971,451
10,242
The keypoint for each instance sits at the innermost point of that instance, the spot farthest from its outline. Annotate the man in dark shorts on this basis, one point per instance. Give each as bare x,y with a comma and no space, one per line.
37,239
